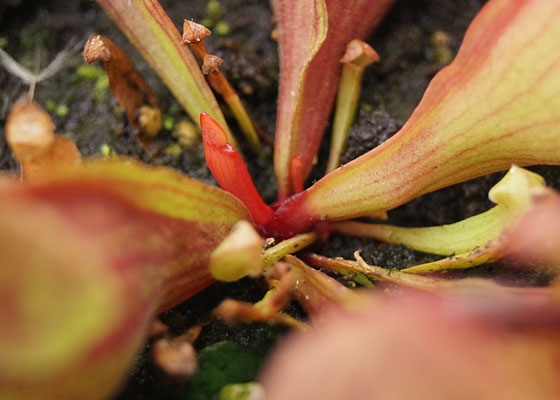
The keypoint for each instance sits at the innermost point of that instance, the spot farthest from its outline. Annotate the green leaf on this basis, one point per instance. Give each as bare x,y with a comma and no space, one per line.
512,194
473,241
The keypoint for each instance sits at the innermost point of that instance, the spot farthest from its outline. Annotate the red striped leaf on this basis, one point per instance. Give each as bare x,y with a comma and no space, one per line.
89,256
495,105
313,35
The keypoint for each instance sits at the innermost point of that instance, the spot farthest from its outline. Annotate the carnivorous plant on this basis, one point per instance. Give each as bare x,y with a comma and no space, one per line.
93,250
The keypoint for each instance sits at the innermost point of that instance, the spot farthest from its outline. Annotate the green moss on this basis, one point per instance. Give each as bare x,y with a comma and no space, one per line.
168,122
221,28
214,18
93,72
99,76
242,391
173,150
34,36
222,364
366,107
214,10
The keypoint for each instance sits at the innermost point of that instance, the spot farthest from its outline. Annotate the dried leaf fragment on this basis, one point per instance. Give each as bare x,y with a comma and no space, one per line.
194,33
127,85
175,356
63,152
29,130
210,64
359,53
30,135
157,329
316,291
233,311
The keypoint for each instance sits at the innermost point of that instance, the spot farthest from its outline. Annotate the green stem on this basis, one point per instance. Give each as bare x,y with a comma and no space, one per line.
244,121
374,272
346,106
289,246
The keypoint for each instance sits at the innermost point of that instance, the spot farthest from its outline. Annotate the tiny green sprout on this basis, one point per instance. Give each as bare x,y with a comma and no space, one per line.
90,71
366,107
242,391
105,150
440,51
60,110
99,76
207,22
222,28
214,10
101,87
173,150
3,42
168,122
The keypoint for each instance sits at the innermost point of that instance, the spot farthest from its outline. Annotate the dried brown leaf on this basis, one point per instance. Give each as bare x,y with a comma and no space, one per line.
127,85
194,33
175,356
63,152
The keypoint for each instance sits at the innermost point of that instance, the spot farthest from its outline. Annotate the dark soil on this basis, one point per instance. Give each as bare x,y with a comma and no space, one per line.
35,30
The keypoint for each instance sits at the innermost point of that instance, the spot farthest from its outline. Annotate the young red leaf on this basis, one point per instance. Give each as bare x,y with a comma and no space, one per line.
230,170
497,104
313,35
88,257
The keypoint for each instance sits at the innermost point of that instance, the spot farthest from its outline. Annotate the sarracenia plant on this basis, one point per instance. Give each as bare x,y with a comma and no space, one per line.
93,250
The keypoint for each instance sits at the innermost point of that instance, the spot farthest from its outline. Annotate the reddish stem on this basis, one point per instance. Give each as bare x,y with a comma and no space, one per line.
296,174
